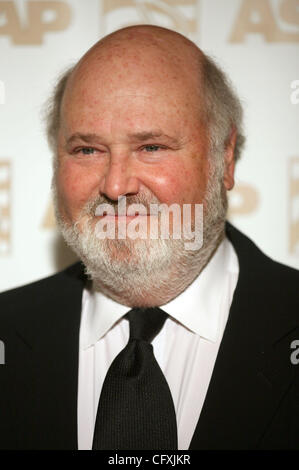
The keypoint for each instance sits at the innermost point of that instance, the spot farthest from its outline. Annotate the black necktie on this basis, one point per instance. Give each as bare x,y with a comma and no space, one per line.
136,409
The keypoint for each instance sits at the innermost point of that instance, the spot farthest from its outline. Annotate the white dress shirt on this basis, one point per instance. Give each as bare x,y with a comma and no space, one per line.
186,348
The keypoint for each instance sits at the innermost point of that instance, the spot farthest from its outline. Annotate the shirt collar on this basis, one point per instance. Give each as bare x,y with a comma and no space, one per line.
99,314
198,308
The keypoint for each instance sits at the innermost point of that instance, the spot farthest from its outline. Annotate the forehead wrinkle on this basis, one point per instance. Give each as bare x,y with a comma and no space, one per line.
141,136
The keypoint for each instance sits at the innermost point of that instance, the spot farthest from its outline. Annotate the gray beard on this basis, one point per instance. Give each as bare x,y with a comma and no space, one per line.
145,272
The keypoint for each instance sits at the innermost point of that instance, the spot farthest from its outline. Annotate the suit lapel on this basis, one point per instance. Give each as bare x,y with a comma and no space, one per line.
244,392
46,356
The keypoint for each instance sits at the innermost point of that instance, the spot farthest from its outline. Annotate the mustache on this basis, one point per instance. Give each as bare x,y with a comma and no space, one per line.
144,199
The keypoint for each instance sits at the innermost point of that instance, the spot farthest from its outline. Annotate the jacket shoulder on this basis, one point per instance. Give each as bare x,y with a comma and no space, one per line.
247,250
264,280
33,295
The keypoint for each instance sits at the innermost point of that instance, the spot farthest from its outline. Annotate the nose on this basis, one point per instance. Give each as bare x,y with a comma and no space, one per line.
119,178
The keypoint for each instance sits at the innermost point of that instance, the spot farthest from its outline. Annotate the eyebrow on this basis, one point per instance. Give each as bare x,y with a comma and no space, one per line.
142,136
88,138
136,136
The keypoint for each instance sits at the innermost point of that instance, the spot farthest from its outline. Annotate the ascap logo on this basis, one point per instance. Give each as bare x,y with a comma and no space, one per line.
243,200
180,15
5,209
27,25
295,94
274,21
2,92
294,205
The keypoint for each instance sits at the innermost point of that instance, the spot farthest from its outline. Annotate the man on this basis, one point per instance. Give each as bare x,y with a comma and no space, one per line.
147,118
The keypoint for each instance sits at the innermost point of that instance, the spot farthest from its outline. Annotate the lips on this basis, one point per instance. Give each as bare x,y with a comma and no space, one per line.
124,216
99,212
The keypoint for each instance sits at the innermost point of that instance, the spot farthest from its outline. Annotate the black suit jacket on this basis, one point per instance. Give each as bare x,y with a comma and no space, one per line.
253,397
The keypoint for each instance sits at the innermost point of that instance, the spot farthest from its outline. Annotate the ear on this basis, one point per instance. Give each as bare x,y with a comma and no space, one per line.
229,161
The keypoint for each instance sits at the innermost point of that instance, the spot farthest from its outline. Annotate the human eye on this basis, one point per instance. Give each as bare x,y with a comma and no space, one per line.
152,148
85,150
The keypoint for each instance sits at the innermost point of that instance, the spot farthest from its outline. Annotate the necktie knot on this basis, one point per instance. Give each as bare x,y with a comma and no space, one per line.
145,323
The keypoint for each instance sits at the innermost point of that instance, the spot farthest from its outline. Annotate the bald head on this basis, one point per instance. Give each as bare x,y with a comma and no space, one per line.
152,60
145,47
147,60
143,37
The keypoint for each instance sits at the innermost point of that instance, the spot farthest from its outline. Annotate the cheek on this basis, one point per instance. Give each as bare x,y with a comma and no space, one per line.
76,185
196,177
181,184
